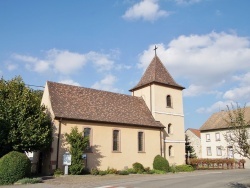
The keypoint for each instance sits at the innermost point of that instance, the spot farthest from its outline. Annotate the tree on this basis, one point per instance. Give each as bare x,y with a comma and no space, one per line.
238,130
189,150
23,124
78,143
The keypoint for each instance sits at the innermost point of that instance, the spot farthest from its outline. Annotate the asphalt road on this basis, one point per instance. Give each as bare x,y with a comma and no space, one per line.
205,179
198,179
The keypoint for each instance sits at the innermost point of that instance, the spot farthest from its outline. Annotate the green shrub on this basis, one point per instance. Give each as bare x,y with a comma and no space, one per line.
78,143
123,172
131,171
94,171
157,171
160,163
29,181
102,172
184,168
138,167
173,169
14,166
112,171
58,172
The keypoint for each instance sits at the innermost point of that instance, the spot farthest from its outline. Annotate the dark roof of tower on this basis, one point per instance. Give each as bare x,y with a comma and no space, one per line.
158,74
80,103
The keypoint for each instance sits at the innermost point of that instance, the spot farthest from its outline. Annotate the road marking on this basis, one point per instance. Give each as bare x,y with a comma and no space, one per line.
112,186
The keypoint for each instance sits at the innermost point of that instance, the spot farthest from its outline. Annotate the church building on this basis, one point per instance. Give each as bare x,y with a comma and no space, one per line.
122,129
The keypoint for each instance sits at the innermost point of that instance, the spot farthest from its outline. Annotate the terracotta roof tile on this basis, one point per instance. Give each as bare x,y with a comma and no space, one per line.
156,73
196,132
87,104
217,120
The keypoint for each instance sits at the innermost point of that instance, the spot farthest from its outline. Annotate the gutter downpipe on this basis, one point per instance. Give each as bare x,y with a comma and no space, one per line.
58,142
161,140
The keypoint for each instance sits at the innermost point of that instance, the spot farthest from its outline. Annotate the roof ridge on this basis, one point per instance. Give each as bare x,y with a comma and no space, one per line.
91,89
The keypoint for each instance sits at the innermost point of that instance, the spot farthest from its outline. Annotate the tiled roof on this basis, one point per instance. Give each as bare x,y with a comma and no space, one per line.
196,132
156,73
218,120
87,104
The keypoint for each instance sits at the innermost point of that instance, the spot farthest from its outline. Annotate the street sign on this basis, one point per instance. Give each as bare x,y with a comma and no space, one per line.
67,159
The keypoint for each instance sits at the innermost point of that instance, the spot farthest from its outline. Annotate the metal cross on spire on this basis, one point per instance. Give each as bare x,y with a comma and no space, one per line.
155,49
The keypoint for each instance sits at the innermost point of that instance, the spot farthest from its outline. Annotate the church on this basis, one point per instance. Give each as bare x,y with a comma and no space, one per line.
122,129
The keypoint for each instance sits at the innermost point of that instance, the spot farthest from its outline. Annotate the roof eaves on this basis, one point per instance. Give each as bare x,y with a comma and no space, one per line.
119,123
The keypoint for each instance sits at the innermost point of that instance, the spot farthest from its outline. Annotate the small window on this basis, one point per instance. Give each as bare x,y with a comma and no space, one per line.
87,133
217,136
140,141
170,151
230,153
116,140
208,137
219,151
209,151
169,102
169,128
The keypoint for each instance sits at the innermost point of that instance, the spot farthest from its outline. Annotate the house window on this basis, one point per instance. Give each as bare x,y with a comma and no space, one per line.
230,153
168,98
87,134
219,151
217,136
169,128
116,140
208,137
140,141
170,151
209,151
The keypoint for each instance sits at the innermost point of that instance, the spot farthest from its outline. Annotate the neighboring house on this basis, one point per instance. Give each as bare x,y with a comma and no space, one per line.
213,133
122,129
194,137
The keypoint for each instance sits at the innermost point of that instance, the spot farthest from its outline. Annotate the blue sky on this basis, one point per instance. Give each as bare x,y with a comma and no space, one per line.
107,44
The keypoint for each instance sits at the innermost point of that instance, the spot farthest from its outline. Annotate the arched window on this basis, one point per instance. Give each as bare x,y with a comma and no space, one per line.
170,151
116,141
140,141
169,128
169,102
87,132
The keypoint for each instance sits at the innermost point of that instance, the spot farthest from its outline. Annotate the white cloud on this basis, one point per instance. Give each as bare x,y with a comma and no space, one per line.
204,60
187,2
101,61
216,107
33,63
66,62
195,90
106,84
148,10
11,66
69,82
60,61
25,58
242,91
238,94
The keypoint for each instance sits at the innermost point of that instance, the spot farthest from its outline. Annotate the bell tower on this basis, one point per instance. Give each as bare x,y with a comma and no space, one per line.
164,99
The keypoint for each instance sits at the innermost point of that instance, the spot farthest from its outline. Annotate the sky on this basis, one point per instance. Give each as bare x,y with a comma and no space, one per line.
108,44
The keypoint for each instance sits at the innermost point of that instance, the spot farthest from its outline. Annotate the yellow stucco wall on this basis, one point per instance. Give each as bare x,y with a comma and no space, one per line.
102,155
173,115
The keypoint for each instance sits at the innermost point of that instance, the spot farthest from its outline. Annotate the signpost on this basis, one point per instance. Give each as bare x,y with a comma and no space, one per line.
66,162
